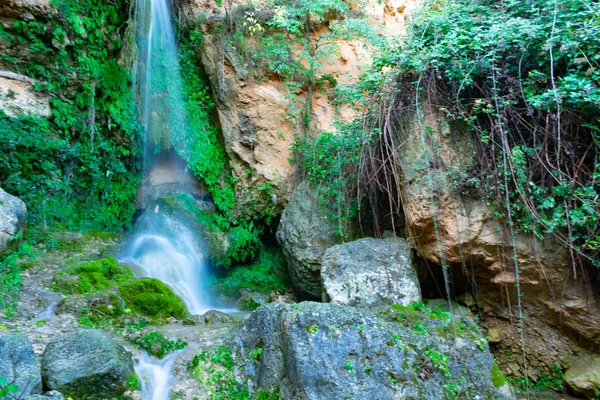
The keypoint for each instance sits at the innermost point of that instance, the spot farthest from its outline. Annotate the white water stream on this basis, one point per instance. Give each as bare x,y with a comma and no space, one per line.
155,376
163,245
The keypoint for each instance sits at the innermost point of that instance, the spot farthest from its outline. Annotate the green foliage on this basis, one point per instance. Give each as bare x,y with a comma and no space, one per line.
92,276
331,162
7,390
215,370
201,147
11,280
158,345
438,360
151,297
545,383
134,383
266,274
525,77
75,168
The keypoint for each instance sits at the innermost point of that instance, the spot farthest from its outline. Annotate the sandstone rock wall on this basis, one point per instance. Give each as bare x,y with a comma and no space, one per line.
447,225
257,132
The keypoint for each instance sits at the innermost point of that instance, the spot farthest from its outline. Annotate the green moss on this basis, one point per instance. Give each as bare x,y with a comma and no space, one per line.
151,297
498,378
92,276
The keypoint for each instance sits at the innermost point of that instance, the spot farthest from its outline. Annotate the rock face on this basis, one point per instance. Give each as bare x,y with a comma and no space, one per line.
304,233
13,219
19,365
370,272
86,363
327,351
254,113
583,377
252,300
459,227
18,98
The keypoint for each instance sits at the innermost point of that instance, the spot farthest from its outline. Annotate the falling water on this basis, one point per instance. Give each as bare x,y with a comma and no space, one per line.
155,376
163,245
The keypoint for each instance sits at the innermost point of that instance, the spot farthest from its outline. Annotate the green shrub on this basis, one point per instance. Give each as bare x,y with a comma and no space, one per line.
153,298
92,276
267,273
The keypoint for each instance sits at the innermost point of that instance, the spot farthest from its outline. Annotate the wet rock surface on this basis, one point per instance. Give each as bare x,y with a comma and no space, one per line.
327,351
305,232
86,364
370,272
217,317
19,365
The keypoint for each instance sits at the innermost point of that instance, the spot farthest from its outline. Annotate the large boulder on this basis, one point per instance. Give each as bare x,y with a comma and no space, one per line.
370,272
86,364
329,351
13,219
583,376
19,365
305,232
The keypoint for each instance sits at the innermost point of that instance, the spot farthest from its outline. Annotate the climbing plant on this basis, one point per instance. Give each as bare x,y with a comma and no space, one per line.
77,168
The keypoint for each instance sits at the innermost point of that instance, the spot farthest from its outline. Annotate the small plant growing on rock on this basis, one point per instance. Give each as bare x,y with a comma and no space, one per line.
158,345
439,360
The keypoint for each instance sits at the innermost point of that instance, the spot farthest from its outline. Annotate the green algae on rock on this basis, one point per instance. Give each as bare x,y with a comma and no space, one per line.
92,276
151,297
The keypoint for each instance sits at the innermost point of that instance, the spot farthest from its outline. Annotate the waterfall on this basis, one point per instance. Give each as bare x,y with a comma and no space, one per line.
163,245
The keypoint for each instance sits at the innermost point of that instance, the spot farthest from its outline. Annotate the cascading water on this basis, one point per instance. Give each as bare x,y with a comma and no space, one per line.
155,376
164,245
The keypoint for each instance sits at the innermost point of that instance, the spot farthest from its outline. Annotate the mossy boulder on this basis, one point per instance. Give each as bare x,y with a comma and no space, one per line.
93,276
152,298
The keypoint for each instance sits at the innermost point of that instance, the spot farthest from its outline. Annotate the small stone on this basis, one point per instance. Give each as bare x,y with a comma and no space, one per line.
495,335
171,320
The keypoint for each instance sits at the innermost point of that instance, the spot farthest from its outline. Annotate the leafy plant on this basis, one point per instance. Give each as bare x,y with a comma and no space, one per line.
158,345
266,274
7,390
439,360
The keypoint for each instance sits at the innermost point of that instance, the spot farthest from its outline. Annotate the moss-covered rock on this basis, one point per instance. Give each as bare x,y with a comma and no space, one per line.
92,276
152,298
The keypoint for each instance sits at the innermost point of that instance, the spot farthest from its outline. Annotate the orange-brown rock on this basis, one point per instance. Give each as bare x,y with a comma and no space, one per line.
254,114
449,225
